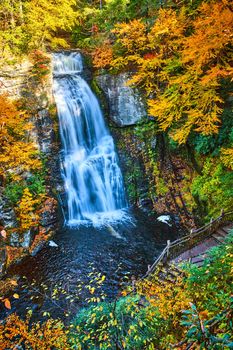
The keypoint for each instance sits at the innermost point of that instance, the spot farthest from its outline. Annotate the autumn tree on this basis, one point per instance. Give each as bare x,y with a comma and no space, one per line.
191,99
181,80
46,19
32,24
27,215
17,153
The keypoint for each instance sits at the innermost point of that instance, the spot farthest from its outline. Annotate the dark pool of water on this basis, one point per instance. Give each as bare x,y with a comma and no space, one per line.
59,279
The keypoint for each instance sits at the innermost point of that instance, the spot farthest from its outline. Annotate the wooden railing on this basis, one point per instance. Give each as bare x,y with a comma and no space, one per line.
179,246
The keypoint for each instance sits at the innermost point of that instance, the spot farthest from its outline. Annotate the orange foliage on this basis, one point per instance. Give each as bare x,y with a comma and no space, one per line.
17,154
102,56
179,64
192,99
213,32
14,254
16,332
40,238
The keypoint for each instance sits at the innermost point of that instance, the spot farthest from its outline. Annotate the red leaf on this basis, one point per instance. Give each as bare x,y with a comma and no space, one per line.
7,304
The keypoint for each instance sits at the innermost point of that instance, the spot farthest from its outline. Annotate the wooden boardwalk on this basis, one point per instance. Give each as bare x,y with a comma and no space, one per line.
197,254
193,246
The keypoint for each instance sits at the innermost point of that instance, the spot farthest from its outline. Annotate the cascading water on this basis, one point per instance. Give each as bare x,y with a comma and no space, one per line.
93,179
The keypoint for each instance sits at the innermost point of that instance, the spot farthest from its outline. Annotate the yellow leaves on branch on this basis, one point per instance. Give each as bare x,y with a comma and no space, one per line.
27,211
227,157
131,36
17,153
19,157
168,27
12,121
45,18
169,298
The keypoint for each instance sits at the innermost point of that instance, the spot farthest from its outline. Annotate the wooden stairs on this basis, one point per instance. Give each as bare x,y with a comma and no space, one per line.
197,254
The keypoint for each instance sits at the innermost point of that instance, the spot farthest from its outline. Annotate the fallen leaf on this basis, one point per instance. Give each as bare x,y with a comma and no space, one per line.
16,296
7,304
92,290
14,283
3,233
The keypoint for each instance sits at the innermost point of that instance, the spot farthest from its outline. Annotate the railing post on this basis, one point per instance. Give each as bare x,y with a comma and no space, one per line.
211,221
168,247
191,237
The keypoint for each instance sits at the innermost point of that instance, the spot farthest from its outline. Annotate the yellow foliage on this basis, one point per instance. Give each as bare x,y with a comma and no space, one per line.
27,211
17,153
168,28
170,298
45,18
131,36
227,157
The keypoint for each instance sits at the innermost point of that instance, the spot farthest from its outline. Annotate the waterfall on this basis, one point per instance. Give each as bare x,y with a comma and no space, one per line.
92,177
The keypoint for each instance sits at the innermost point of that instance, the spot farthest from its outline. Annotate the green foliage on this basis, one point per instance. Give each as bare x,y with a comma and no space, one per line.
132,177
36,184
14,192
210,145
125,324
14,189
210,284
209,320
201,332
147,130
214,187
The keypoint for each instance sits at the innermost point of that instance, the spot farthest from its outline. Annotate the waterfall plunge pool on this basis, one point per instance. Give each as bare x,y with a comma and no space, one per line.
118,252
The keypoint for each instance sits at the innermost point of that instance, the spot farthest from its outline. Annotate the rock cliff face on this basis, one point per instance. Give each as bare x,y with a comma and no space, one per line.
13,79
125,104
18,83
125,108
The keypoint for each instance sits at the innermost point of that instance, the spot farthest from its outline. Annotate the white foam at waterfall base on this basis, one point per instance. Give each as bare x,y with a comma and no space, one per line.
92,177
99,220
